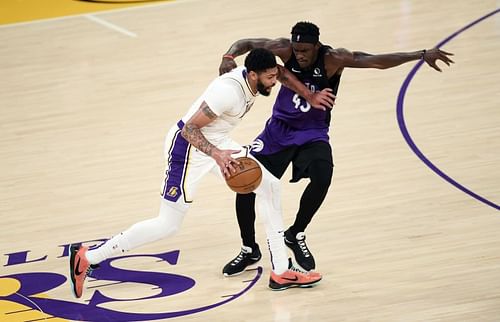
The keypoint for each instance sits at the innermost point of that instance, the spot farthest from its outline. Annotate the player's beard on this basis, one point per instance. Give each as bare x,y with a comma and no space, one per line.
266,91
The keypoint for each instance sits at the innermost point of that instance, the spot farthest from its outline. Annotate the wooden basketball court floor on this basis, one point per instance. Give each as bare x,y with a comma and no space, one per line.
85,102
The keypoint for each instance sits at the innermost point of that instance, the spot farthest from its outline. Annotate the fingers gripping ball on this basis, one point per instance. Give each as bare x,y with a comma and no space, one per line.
247,177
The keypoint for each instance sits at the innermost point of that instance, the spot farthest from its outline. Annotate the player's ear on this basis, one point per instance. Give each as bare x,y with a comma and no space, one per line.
253,75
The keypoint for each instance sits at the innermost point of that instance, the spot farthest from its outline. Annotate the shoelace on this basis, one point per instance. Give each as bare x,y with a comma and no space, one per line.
303,247
238,258
298,270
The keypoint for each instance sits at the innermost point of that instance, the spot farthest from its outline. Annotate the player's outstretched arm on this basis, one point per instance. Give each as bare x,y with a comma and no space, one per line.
358,59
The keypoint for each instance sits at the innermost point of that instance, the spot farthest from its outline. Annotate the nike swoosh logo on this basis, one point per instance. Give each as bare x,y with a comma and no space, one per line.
295,71
78,273
291,279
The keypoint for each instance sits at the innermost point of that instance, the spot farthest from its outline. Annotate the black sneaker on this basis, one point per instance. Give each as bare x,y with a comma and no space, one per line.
245,258
297,244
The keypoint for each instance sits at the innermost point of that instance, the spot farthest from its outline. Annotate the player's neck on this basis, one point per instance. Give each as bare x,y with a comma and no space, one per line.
252,85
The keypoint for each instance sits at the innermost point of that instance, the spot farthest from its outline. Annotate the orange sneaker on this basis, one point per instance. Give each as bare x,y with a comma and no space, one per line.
79,267
293,277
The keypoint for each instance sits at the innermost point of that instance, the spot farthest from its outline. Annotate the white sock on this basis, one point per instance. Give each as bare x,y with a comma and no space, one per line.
164,225
268,203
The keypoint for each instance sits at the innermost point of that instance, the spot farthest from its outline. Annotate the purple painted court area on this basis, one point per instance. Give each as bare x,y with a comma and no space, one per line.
406,134
167,284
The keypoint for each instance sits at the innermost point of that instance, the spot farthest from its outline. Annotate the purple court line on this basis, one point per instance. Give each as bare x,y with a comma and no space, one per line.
404,130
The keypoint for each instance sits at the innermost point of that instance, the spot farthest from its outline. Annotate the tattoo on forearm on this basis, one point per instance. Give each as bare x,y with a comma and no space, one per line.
194,136
192,132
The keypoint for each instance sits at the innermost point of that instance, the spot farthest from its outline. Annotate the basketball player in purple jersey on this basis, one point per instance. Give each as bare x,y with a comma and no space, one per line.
297,133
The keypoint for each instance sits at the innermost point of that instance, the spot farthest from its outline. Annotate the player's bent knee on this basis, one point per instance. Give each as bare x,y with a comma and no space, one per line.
269,184
165,227
170,218
321,174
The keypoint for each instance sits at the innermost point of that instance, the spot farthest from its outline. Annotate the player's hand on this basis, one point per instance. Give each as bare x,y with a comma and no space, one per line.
431,55
322,100
225,162
226,65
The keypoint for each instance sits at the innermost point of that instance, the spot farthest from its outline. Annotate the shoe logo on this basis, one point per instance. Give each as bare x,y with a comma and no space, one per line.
296,278
77,272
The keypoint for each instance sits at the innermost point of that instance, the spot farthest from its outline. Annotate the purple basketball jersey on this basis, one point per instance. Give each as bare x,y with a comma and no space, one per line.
294,121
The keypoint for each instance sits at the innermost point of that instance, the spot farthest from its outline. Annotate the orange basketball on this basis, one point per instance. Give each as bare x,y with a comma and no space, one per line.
247,177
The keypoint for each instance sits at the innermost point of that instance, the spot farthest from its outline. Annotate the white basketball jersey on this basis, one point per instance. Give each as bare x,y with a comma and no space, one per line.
230,98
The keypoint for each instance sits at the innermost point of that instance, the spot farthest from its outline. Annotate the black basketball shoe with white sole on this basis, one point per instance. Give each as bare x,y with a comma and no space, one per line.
302,254
245,258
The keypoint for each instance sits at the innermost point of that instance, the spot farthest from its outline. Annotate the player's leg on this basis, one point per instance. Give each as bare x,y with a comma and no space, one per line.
166,224
245,213
177,194
320,173
315,162
268,202
250,251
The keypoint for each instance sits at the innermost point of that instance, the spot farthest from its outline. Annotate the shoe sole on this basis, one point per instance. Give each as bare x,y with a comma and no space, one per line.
283,287
244,270
73,251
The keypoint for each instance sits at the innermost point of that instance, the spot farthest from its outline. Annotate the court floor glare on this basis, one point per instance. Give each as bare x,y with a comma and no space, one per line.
85,103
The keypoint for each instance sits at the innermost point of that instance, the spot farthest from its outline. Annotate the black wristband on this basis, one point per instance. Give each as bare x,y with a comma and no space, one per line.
422,54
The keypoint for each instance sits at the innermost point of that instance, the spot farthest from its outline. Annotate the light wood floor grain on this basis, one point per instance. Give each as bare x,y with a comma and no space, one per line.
84,110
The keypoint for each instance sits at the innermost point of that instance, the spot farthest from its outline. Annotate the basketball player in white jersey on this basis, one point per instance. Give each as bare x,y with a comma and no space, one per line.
198,144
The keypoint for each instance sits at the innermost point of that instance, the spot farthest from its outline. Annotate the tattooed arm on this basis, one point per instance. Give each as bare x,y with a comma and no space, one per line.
192,133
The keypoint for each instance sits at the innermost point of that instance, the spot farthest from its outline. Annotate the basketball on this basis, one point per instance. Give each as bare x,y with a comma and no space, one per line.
247,177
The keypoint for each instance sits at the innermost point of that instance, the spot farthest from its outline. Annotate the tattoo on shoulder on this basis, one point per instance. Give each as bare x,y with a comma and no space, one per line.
208,112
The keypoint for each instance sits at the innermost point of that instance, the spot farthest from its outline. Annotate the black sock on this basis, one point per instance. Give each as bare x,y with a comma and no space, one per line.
245,212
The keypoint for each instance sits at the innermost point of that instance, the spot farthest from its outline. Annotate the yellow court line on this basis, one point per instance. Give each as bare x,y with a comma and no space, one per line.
16,11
